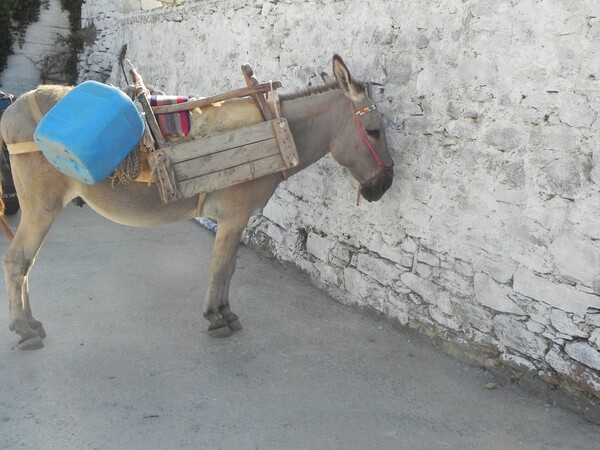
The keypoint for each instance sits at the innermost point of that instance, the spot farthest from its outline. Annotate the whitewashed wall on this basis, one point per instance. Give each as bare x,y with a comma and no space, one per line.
490,237
22,71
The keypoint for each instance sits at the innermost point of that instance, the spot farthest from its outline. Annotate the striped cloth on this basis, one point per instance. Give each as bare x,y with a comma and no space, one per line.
172,124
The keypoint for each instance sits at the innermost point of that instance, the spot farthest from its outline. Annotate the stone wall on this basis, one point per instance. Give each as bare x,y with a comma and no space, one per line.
489,240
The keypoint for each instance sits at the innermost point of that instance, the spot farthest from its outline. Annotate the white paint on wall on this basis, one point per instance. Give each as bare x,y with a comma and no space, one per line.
22,73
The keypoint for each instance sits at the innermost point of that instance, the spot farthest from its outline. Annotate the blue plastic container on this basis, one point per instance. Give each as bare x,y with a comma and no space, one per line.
90,131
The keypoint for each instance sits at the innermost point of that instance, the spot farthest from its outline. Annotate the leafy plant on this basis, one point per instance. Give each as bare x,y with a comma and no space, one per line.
76,38
15,17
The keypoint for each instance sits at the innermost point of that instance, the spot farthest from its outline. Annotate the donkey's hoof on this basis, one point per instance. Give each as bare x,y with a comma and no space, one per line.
219,329
32,343
39,329
235,325
233,322
223,332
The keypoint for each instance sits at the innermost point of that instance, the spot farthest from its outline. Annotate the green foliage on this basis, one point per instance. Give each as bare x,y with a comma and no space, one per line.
5,35
73,7
76,39
15,17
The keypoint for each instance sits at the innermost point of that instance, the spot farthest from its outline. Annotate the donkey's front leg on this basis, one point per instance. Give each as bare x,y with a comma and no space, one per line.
222,266
224,309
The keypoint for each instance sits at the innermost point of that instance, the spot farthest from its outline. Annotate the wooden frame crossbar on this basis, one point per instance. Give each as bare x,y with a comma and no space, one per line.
200,102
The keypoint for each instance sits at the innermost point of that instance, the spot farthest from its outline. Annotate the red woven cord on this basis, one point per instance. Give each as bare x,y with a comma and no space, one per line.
361,130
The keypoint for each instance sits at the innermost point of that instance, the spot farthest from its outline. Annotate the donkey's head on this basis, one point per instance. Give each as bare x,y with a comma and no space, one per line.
361,144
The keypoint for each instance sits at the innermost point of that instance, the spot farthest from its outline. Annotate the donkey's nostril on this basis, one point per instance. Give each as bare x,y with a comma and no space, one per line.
376,188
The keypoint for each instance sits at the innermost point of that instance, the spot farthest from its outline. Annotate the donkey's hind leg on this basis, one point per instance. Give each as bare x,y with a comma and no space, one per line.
17,263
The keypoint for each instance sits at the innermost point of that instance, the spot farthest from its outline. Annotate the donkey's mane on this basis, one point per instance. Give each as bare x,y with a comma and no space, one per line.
310,90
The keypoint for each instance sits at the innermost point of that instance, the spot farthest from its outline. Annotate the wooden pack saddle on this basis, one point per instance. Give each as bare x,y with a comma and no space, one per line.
191,166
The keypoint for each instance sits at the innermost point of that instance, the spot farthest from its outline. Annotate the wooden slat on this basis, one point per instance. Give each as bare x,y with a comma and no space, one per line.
159,139
167,186
228,158
200,102
259,99
231,176
232,157
285,141
186,150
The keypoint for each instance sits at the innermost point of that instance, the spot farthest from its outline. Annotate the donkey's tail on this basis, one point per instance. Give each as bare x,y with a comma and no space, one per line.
4,226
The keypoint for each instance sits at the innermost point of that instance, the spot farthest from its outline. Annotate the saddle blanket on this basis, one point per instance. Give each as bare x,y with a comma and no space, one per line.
172,124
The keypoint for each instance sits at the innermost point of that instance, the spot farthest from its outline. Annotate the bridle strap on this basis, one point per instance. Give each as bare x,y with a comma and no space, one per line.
363,134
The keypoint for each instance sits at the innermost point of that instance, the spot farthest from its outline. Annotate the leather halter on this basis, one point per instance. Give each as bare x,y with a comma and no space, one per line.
363,135
361,130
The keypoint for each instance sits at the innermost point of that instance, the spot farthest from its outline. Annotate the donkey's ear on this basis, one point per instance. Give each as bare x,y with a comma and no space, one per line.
344,79
328,79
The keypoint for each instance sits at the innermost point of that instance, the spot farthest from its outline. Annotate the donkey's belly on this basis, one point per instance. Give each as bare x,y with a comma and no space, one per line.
136,204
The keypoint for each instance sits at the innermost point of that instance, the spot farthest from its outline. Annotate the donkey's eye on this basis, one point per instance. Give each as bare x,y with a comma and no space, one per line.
373,133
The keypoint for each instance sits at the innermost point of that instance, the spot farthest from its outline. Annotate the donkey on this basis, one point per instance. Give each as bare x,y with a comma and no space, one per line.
337,117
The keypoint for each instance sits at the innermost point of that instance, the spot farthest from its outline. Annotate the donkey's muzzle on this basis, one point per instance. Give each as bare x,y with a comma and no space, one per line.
374,189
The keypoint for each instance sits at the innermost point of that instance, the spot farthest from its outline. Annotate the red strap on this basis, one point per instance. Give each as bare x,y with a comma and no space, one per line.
361,130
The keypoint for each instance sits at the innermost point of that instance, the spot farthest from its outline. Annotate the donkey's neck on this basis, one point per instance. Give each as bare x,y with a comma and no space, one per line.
314,121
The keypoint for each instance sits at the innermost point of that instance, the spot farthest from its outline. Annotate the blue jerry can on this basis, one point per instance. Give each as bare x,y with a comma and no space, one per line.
90,131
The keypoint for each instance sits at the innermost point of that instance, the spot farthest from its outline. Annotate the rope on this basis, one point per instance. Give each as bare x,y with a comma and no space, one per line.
128,170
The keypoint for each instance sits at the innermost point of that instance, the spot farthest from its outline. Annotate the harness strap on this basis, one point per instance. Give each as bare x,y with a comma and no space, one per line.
22,147
361,130
366,110
34,108
29,146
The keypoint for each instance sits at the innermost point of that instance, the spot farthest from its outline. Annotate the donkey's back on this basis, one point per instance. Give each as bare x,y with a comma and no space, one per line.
18,122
